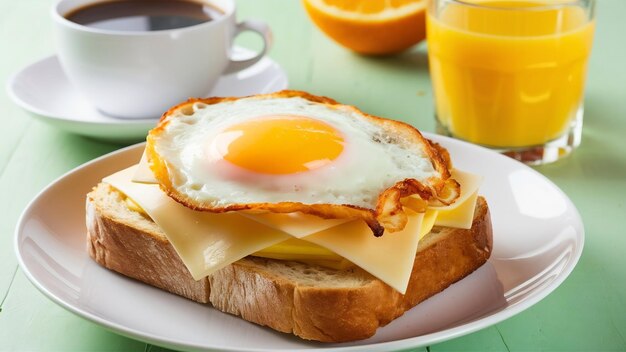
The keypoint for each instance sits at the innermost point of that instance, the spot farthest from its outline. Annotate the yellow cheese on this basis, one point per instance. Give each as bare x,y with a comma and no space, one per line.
469,185
298,225
429,221
297,249
461,217
389,257
142,173
300,250
460,214
305,252
290,249
205,242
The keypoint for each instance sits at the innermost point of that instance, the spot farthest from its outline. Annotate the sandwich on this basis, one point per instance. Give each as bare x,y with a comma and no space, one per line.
292,211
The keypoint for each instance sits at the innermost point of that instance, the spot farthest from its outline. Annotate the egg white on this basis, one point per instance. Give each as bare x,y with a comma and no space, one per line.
371,161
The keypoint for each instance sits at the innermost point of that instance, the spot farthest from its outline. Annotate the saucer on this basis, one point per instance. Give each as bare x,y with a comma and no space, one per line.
43,90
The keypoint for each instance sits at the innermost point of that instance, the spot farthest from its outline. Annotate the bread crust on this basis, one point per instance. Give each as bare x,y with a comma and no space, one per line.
258,290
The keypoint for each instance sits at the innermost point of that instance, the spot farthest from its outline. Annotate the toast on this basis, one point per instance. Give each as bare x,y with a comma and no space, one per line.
312,302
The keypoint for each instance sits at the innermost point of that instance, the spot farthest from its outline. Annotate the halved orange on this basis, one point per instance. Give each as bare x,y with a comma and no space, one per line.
371,27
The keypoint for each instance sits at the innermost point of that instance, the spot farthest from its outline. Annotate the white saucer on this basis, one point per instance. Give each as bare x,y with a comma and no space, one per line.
43,90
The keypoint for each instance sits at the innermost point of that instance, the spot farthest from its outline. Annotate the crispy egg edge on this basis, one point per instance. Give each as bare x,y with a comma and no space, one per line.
388,214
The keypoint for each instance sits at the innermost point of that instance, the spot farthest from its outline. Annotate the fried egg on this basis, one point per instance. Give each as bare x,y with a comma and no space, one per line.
291,151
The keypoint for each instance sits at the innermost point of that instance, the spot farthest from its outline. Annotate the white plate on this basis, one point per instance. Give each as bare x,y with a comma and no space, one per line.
538,238
43,90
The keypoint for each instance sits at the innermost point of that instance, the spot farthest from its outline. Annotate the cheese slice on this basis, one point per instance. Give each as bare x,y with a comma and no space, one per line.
142,173
469,185
205,242
460,214
297,249
430,217
389,257
298,225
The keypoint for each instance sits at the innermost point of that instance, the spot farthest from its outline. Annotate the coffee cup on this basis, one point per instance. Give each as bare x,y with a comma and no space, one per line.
141,68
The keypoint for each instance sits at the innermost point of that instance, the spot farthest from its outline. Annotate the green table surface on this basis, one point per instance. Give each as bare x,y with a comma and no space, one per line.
586,313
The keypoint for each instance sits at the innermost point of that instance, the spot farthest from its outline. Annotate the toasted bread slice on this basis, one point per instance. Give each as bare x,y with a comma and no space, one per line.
312,302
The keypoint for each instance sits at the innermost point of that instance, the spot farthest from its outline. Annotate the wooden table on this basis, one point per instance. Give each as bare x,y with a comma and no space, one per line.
588,311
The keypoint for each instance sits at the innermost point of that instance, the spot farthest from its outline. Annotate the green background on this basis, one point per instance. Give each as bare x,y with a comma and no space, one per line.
588,311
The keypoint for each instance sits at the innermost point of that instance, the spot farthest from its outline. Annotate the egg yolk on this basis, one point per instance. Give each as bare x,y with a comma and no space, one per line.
280,144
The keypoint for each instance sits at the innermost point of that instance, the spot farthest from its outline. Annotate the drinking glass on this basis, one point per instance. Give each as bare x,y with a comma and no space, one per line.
510,75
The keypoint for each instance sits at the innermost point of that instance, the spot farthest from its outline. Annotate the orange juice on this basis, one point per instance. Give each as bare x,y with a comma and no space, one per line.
508,73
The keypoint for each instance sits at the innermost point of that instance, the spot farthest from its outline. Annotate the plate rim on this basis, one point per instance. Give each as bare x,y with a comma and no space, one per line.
411,342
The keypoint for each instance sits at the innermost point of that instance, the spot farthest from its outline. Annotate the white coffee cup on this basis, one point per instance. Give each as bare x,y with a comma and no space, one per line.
140,74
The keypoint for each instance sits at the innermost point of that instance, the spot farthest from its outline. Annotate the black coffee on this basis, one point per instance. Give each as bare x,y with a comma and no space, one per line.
143,15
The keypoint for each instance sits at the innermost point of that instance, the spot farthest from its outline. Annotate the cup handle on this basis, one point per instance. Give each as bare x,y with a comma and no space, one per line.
256,26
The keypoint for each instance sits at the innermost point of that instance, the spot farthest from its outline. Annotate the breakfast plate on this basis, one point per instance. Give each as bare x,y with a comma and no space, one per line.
538,239
42,89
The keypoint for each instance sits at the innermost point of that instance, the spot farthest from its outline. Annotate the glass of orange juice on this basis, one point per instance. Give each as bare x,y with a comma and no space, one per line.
510,74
